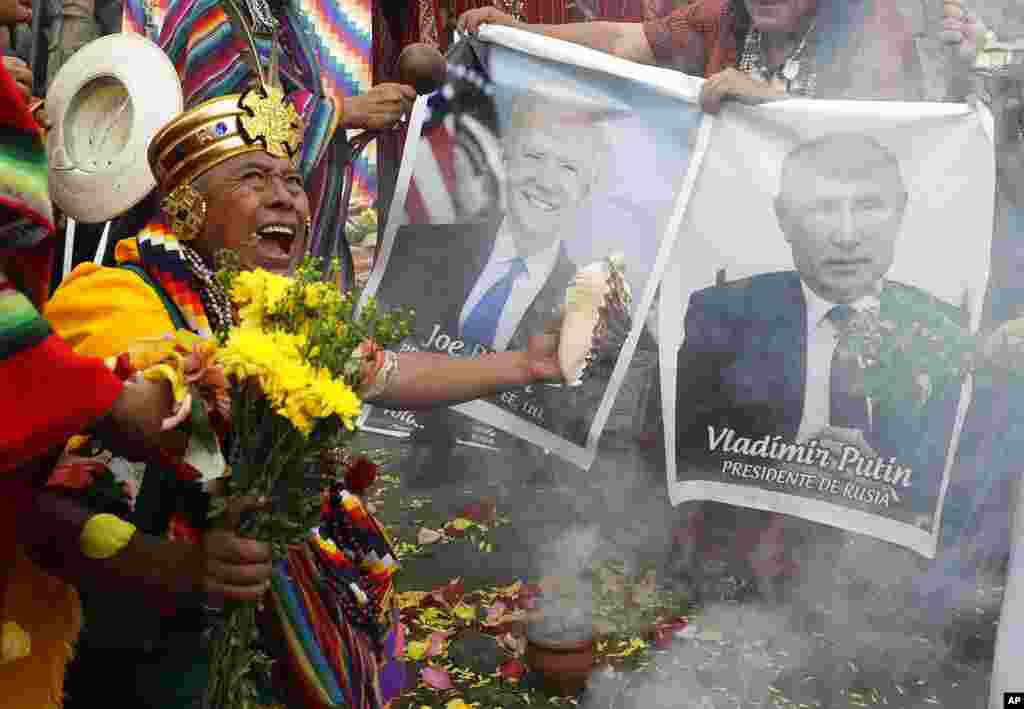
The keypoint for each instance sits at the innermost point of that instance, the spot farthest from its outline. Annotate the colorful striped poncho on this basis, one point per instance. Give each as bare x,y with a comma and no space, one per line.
47,393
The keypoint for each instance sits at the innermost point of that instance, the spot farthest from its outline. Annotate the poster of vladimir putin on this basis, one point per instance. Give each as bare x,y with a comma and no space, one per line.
817,369
532,189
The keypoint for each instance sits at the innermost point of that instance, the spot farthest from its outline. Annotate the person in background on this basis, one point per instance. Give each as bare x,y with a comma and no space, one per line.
757,50
47,393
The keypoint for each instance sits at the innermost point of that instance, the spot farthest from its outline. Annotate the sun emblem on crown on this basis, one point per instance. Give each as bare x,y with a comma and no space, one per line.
271,119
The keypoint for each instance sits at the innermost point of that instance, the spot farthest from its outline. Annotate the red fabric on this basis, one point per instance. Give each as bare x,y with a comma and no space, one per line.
700,38
49,393
13,108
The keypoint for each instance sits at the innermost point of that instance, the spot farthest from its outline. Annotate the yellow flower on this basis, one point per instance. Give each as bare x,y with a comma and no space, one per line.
459,703
15,643
258,294
464,612
276,289
416,649
249,353
337,398
316,294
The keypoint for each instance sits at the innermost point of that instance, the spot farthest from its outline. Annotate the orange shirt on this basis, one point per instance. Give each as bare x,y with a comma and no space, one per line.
874,56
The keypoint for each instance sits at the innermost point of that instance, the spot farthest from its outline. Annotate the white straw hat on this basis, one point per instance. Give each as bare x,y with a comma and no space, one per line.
105,105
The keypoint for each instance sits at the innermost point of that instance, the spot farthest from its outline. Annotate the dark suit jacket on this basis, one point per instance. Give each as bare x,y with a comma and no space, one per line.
435,266
743,362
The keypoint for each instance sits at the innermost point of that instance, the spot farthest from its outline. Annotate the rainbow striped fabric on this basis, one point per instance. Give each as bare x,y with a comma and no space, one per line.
158,251
21,326
339,33
330,607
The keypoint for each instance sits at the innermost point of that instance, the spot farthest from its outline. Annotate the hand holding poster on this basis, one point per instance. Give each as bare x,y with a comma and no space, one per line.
525,179
817,342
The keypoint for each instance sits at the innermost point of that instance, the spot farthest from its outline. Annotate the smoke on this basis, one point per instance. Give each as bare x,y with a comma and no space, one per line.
849,629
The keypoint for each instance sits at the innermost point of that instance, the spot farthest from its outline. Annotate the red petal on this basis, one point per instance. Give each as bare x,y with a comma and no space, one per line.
472,511
77,475
454,591
495,612
512,669
360,475
436,678
453,531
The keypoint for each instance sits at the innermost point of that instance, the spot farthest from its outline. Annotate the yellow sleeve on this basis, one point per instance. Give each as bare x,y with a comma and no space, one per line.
102,311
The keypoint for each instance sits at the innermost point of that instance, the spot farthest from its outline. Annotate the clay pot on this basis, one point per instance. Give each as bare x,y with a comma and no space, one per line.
562,666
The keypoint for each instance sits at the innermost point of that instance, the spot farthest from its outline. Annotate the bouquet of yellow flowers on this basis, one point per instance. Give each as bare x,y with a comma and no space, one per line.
296,363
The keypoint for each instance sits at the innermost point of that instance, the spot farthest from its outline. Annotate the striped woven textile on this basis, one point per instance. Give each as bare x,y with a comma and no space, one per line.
342,32
47,393
330,602
330,44
21,326
198,38
160,254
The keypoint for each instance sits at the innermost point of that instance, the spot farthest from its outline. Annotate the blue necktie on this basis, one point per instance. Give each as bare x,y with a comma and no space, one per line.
482,324
848,406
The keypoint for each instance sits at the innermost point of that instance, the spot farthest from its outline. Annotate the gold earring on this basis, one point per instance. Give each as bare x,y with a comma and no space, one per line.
186,209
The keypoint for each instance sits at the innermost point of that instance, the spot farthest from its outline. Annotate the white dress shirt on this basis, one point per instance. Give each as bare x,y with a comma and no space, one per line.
538,268
822,337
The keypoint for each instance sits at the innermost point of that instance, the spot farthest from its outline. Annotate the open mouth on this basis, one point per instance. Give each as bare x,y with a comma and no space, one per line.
278,234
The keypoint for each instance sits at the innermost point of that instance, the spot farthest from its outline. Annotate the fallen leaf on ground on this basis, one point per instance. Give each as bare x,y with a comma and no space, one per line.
450,594
464,611
512,669
428,536
436,678
458,703
436,641
409,599
516,644
416,649
495,612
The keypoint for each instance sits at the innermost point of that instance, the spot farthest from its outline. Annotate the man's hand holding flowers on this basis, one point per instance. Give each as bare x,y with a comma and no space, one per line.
232,567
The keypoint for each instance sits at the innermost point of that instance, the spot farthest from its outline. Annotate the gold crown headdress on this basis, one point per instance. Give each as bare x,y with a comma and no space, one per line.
260,119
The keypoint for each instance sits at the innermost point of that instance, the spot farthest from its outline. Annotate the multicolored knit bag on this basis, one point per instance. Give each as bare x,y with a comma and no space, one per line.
330,611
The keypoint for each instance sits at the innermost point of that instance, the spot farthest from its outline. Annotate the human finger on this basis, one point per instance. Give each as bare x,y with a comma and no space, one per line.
240,506
407,93
244,594
239,575
227,547
711,96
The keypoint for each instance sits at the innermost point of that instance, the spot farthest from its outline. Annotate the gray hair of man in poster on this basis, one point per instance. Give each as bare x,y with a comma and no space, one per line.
554,154
840,206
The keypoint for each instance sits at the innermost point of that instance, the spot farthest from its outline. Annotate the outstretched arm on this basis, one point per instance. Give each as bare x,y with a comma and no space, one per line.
625,40
423,380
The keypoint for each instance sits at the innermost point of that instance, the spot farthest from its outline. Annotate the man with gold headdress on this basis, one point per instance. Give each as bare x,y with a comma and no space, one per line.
209,47
229,173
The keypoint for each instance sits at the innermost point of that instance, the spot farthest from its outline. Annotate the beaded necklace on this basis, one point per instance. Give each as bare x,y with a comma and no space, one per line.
514,8
215,301
797,75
